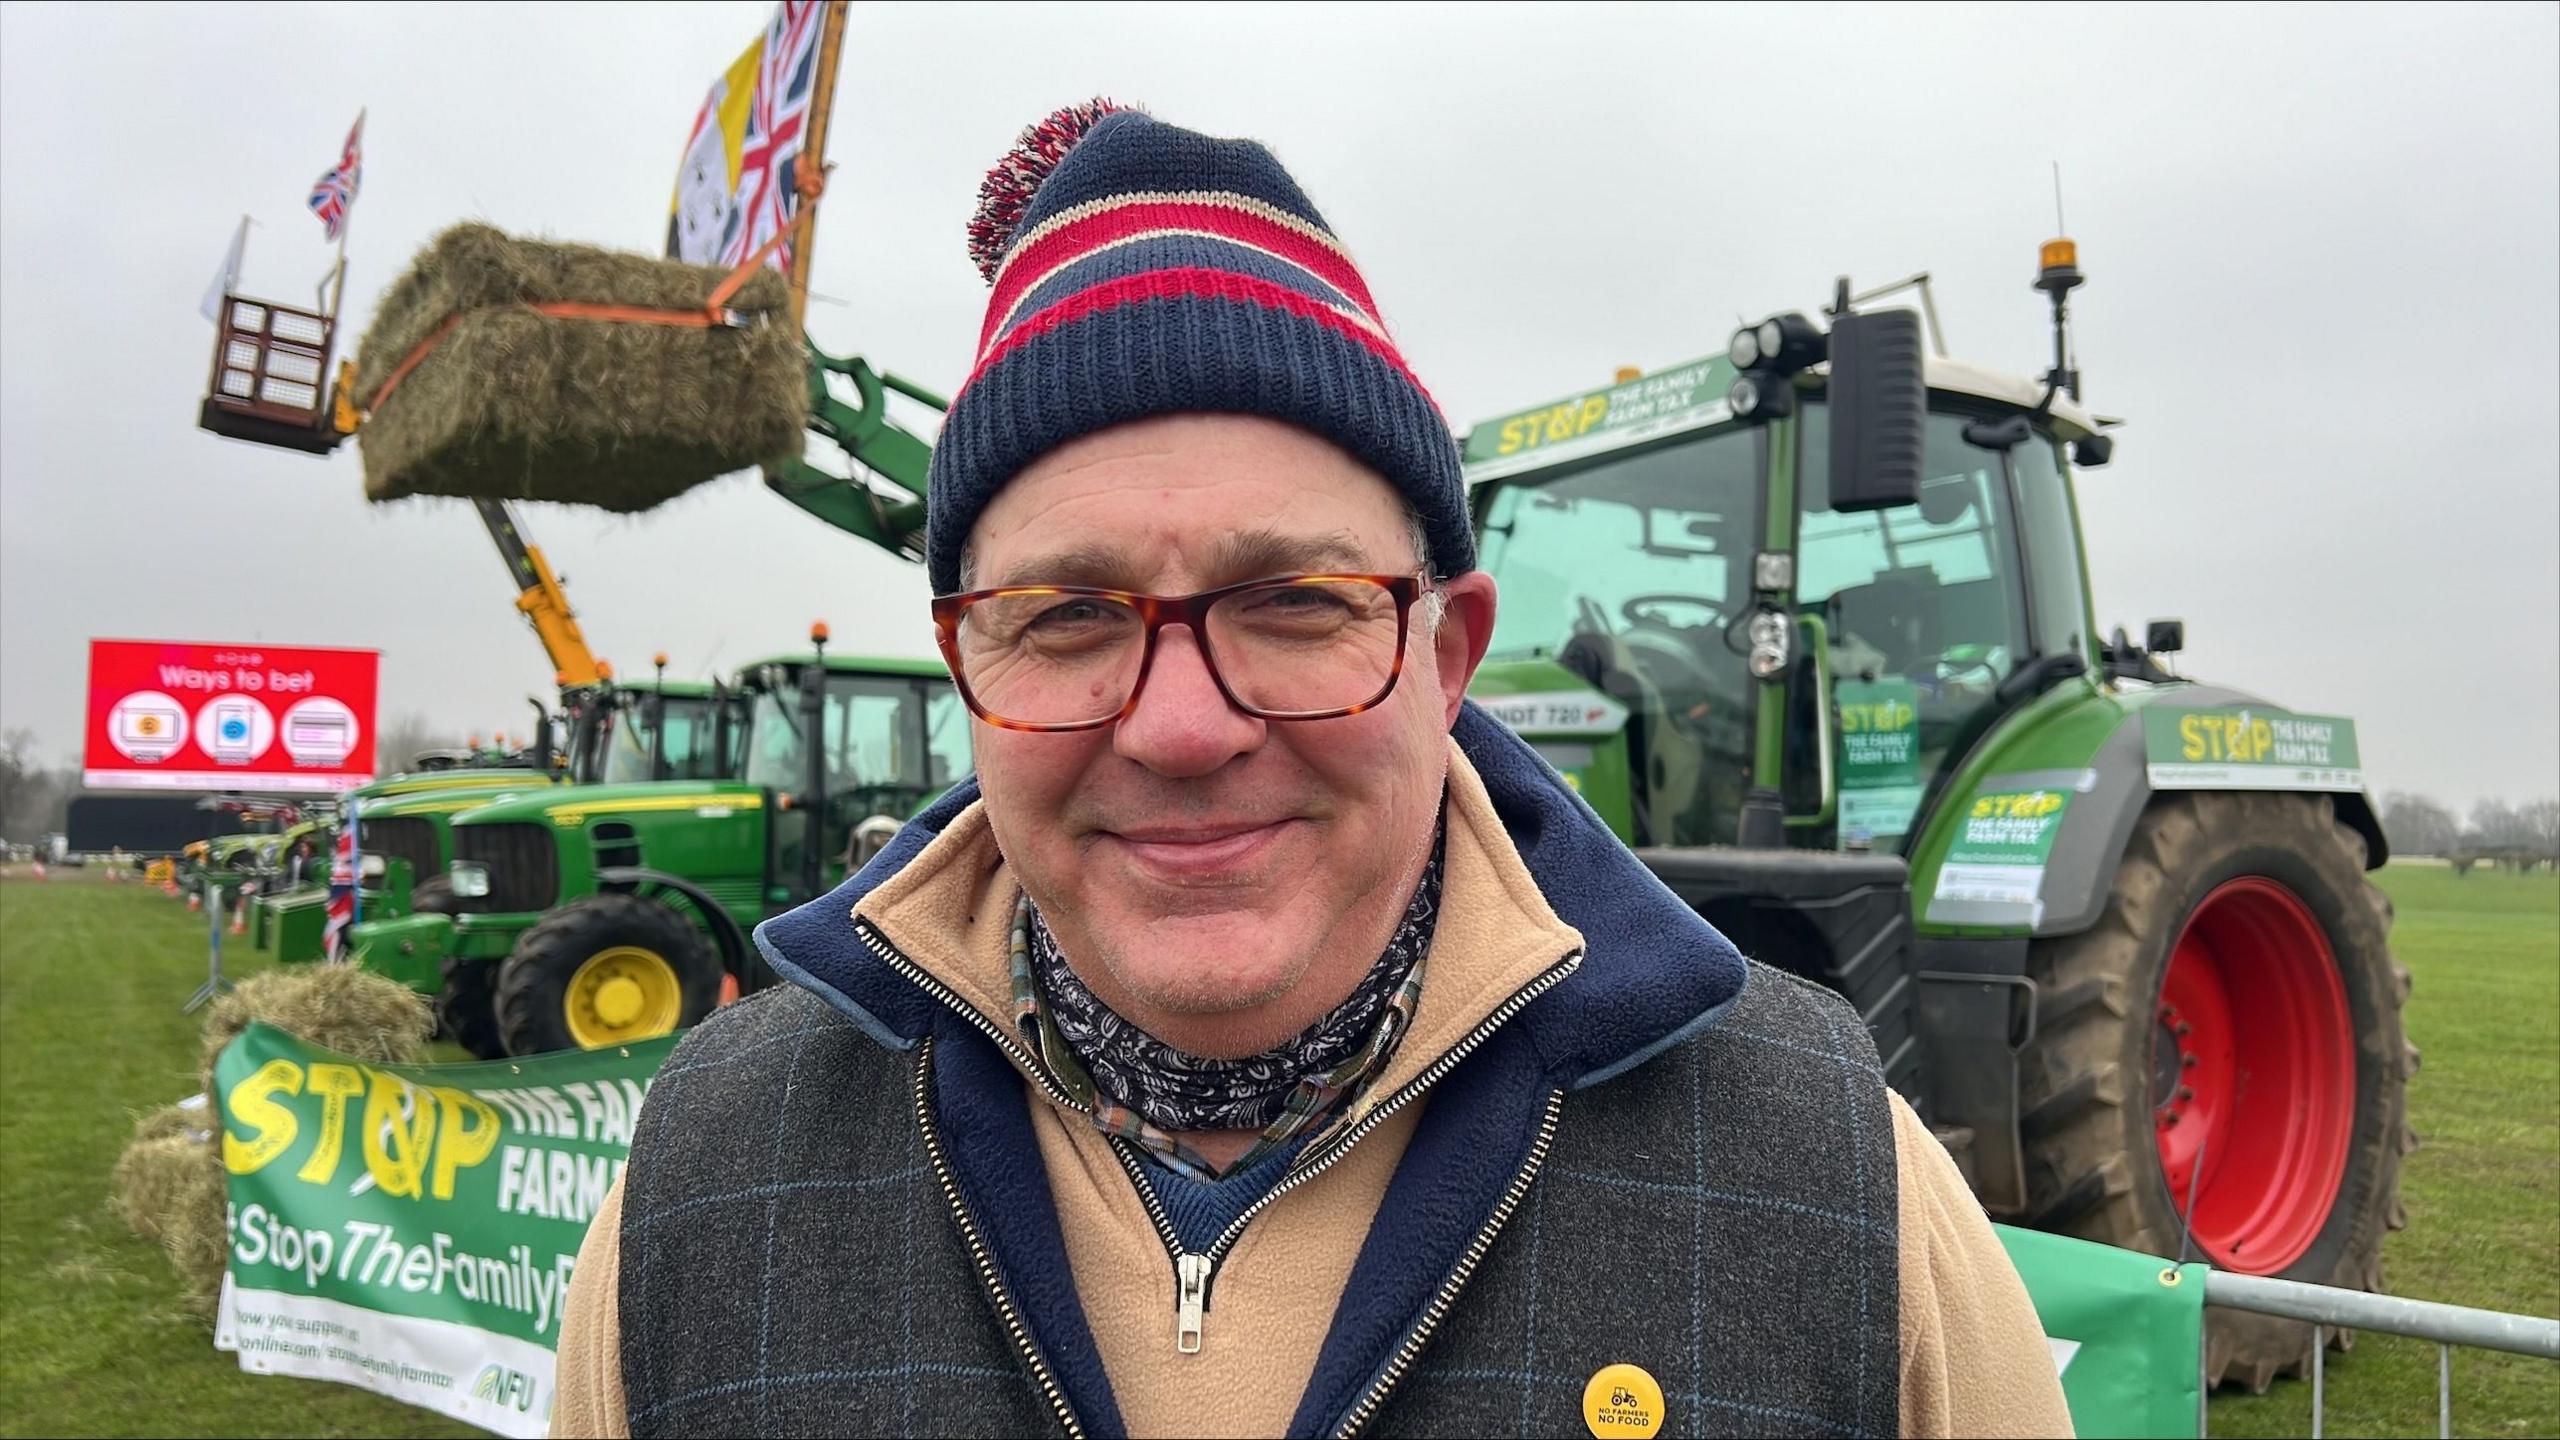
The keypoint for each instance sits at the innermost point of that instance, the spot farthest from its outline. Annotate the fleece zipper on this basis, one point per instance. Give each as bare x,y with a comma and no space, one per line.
1195,1274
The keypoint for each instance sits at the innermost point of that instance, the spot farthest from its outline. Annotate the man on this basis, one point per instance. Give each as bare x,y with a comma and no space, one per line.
1266,1042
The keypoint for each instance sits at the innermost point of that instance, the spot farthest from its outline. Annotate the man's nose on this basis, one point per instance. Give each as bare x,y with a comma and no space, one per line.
1183,726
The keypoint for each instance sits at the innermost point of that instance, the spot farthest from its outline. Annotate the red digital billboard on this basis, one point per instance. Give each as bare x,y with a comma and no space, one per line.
174,715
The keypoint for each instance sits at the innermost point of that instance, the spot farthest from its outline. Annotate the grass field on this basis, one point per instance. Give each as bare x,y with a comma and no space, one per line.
91,977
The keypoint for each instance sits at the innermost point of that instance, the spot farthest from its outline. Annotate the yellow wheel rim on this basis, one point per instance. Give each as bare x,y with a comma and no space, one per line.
622,994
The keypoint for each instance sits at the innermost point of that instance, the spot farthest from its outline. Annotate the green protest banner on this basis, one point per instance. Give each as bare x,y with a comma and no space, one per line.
411,1229
2126,1331
2244,747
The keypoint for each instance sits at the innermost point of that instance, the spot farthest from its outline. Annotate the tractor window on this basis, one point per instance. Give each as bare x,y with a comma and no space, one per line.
1628,573
1926,615
869,737
687,723
776,755
626,739
946,736
2057,595
1663,536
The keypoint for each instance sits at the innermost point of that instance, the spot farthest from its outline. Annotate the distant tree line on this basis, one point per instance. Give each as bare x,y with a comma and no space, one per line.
2418,825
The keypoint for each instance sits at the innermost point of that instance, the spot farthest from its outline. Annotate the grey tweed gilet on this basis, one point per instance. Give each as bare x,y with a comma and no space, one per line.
1723,1215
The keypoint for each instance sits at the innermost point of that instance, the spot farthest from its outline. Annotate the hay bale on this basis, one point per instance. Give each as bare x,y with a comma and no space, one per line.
172,1191
194,1222
152,1176
192,1116
336,1007
512,404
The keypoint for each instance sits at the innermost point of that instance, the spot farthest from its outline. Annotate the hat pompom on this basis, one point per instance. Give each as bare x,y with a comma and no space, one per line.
1009,186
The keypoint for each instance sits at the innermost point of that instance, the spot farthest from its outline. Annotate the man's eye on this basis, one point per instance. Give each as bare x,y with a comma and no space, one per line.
1075,614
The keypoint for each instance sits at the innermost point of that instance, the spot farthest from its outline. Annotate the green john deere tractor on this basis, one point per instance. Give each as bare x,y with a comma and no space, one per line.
1808,625
619,732
604,914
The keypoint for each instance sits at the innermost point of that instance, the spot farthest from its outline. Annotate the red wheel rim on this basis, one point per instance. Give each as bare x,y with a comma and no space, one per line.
2253,1076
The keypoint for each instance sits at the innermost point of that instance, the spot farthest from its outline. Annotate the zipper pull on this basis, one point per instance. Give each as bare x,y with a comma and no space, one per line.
1191,1277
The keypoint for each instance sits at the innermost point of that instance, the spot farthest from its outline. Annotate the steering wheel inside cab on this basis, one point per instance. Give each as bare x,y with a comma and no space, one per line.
1652,662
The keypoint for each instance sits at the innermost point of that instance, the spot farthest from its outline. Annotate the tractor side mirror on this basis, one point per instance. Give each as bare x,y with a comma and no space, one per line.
1879,409
2165,637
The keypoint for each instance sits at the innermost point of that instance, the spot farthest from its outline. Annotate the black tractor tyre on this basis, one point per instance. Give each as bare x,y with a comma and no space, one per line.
2085,1082
533,983
434,897
467,1008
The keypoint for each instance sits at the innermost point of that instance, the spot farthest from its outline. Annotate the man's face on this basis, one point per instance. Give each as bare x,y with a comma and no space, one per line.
1213,874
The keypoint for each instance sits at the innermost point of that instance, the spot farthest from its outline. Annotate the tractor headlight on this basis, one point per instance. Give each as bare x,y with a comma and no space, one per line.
1744,352
1772,336
470,880
1760,396
1772,644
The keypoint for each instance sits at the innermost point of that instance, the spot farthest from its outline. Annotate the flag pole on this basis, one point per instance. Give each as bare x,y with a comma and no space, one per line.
346,221
821,107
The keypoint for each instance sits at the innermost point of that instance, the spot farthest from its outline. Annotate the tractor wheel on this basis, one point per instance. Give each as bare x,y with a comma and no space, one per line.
2228,1031
434,897
605,970
467,1008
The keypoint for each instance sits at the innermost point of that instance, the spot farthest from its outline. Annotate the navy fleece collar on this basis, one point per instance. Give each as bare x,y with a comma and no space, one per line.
1654,970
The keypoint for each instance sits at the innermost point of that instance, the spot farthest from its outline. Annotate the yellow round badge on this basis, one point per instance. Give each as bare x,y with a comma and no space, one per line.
1622,1400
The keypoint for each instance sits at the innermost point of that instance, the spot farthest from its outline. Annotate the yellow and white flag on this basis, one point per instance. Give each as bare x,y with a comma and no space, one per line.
735,189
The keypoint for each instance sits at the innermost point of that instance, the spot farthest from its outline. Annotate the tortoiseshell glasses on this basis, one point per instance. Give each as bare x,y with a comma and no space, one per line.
1065,657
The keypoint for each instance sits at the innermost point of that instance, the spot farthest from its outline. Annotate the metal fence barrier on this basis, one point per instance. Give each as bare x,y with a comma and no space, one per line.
2326,1306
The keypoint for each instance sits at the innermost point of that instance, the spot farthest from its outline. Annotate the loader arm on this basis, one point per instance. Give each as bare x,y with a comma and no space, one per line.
883,502
540,597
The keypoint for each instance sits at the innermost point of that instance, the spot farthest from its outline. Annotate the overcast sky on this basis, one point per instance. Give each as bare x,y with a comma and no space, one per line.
2323,248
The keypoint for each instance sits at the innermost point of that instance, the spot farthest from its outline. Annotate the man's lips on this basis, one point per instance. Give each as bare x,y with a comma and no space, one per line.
1190,852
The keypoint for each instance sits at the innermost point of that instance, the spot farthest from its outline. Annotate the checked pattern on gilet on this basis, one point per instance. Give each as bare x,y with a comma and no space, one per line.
1723,1215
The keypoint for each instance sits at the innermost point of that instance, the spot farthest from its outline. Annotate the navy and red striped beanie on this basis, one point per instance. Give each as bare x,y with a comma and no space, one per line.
1142,269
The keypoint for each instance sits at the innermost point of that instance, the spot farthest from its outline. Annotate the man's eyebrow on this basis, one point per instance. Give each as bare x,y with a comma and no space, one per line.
1095,563
1238,555
1252,554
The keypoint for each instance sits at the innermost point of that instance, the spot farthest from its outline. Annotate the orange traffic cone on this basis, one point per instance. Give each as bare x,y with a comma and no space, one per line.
240,917
195,902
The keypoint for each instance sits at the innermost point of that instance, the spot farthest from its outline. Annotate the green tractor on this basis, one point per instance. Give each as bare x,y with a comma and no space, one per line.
602,915
1808,624
293,897
618,732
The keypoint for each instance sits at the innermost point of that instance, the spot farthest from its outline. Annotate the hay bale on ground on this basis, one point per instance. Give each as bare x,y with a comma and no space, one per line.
194,1222
153,1174
336,1007
513,404
172,1191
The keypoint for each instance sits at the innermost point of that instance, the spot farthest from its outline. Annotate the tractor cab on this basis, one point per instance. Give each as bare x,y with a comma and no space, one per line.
1770,649
1770,613
653,730
849,747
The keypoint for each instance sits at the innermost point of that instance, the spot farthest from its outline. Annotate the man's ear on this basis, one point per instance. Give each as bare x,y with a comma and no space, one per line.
1466,628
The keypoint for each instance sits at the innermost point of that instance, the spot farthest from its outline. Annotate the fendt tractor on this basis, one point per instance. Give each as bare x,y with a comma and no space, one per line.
1808,625
601,915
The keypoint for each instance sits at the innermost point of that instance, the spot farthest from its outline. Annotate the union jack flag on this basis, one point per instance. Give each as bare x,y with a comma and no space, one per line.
786,75
342,887
334,193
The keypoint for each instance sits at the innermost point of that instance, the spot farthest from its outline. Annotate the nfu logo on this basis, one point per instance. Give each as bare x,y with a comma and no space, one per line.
501,1386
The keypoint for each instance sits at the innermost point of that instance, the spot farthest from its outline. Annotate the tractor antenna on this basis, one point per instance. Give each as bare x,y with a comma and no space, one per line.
2059,228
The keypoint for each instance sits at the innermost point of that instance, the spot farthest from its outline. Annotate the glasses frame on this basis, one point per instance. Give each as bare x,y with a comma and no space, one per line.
1158,611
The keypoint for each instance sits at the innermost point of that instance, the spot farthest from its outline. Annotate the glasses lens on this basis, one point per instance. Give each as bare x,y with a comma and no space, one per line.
1041,658
1300,647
